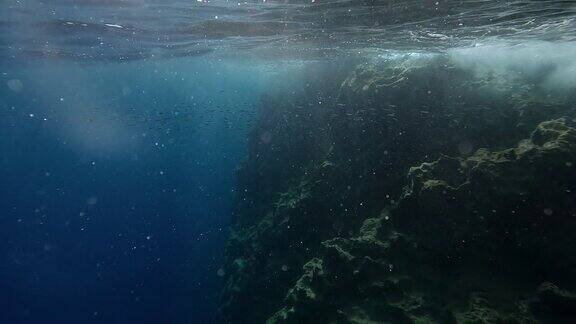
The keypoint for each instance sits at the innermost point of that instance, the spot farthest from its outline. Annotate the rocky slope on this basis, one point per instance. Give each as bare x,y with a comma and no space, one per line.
411,190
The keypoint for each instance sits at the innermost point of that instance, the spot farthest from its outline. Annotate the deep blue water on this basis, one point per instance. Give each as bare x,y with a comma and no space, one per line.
116,182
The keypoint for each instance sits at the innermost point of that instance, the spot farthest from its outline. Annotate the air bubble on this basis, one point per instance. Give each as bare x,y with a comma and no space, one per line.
15,85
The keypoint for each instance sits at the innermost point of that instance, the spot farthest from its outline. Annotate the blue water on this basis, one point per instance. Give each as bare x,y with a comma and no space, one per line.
116,183
122,123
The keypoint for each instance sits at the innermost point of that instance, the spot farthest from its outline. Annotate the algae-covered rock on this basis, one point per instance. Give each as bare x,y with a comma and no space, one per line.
410,191
452,250
501,206
557,300
480,309
305,299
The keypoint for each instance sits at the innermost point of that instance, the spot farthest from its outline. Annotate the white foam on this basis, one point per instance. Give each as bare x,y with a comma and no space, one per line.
552,65
114,25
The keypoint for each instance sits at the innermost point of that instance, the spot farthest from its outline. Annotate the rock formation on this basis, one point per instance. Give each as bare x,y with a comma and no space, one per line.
411,191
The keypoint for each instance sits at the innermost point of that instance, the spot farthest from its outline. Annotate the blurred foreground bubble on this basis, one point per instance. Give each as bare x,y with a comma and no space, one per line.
465,147
126,91
92,200
15,85
266,137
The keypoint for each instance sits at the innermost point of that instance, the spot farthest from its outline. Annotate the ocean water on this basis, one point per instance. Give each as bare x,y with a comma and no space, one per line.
137,135
114,209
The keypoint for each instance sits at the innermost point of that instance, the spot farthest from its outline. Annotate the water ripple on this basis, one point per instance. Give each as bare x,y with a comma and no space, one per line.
118,30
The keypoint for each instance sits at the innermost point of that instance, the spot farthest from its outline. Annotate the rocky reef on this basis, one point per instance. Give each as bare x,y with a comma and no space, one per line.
406,190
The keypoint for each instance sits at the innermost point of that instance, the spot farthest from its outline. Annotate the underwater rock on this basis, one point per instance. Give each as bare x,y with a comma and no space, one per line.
327,227
556,299
462,221
409,264
513,204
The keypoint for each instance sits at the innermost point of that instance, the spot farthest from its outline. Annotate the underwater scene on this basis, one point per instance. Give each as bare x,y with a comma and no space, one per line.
288,161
